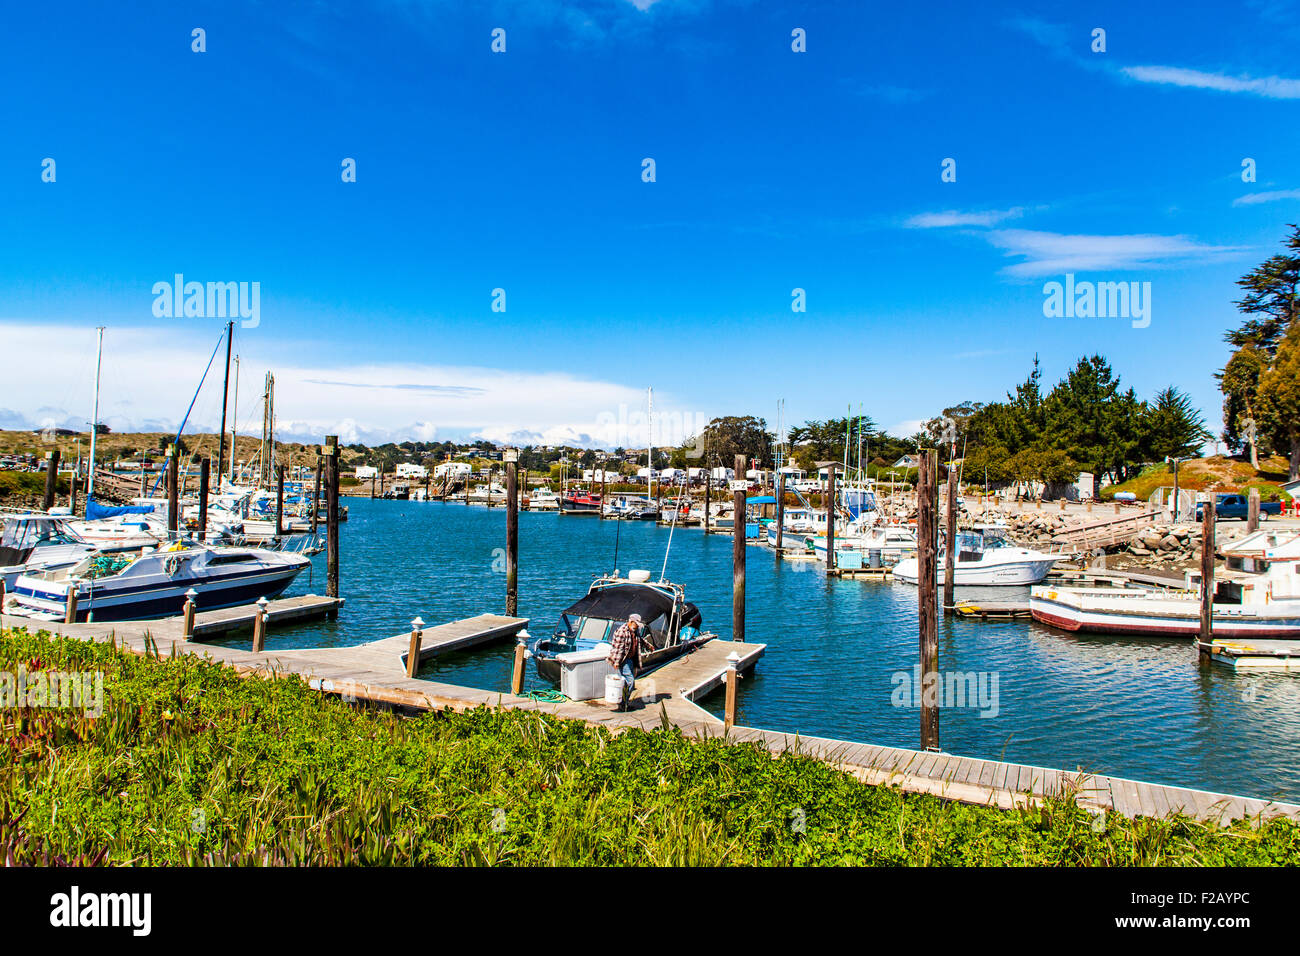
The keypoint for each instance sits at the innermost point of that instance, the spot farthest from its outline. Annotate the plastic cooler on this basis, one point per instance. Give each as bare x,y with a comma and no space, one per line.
583,673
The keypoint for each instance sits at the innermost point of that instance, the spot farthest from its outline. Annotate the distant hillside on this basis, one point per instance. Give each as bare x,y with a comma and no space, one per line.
1211,474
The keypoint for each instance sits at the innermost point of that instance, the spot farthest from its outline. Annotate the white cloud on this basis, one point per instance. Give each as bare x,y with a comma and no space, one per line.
1251,199
1046,253
940,220
907,428
149,380
1273,87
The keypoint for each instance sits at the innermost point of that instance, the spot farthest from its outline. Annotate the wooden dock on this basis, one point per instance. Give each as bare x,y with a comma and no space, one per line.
375,672
294,610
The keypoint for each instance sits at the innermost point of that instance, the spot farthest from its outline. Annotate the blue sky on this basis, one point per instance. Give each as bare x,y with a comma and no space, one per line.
522,170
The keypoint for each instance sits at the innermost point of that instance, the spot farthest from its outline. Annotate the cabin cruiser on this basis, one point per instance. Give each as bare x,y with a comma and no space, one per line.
985,557
32,541
542,498
491,492
1257,595
153,583
632,508
894,542
672,624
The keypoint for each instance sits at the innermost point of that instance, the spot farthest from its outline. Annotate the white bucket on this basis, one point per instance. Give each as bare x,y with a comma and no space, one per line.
613,689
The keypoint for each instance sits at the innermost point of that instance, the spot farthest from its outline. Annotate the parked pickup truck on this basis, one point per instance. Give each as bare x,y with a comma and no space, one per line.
1237,506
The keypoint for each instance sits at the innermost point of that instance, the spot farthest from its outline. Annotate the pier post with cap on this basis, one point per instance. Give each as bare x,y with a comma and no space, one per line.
1206,638
413,649
733,679
738,556
927,501
512,530
259,626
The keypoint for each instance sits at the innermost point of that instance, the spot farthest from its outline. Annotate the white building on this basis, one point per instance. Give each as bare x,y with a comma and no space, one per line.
723,474
598,475
366,472
408,470
455,469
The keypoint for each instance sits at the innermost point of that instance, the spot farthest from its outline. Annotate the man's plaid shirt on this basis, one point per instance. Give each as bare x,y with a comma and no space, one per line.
622,646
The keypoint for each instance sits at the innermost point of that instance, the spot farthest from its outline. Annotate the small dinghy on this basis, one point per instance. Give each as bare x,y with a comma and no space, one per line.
672,624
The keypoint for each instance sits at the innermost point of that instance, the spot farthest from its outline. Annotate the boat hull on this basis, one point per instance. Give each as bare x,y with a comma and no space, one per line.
1142,614
1010,574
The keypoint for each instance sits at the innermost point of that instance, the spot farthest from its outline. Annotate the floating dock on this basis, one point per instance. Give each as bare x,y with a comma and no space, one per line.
993,610
1251,654
375,672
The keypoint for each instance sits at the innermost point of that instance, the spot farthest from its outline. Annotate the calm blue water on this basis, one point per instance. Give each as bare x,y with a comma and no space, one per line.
1140,709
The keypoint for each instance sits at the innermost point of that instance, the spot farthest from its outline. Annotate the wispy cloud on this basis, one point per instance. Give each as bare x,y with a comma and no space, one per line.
1253,199
940,220
1046,253
1272,87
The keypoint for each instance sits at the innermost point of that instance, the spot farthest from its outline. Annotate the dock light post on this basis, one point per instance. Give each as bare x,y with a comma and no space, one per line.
190,595
733,678
259,626
1174,463
511,457
521,655
413,651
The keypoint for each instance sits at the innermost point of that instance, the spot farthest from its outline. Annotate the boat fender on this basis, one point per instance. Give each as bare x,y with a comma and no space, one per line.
172,564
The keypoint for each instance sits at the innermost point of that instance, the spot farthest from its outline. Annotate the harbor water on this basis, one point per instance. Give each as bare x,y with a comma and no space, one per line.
840,653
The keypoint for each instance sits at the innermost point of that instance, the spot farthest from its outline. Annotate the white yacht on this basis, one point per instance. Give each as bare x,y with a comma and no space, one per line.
986,558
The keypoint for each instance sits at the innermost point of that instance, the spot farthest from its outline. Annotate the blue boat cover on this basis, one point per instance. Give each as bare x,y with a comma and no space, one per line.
761,500
95,510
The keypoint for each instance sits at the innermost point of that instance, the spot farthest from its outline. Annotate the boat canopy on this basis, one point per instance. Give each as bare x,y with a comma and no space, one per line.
618,602
95,510
761,500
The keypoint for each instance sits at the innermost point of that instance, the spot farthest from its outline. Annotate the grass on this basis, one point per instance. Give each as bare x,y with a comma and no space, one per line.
18,483
190,764
1218,474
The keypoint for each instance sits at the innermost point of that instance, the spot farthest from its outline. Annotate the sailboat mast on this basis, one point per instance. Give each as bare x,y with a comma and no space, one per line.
234,424
225,393
650,440
94,425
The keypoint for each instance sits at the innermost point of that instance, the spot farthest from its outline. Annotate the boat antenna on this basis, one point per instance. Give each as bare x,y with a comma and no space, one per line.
672,525
618,523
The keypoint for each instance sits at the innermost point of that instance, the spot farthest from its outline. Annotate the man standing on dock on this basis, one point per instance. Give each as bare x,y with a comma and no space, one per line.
625,653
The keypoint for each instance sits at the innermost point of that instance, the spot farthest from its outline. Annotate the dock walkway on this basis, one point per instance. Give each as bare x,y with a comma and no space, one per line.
375,672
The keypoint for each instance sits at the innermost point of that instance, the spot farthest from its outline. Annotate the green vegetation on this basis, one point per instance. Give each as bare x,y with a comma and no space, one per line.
191,764
1087,422
1261,380
17,483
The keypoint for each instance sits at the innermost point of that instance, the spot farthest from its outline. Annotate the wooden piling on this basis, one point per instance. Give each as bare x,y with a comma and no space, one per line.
72,489
188,619
780,511
950,538
413,650
70,605
708,487
733,679
1207,578
517,675
1252,511
173,491
926,586
332,516
204,465
259,626
600,515
738,559
279,501
830,520
51,478
512,531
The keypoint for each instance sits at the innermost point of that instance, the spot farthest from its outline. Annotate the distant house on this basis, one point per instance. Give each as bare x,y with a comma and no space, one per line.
907,461
366,472
408,470
454,468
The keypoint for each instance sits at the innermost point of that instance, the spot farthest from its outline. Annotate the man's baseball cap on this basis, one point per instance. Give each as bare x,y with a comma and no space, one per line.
634,617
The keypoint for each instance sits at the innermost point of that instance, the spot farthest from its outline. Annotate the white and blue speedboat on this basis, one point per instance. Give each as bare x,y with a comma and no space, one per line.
130,586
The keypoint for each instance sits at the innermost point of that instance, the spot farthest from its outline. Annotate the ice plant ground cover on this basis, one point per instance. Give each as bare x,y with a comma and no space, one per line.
190,763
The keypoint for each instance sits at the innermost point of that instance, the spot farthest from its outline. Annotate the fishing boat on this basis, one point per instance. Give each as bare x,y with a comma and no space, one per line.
986,558
580,503
1256,596
153,583
672,624
893,542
